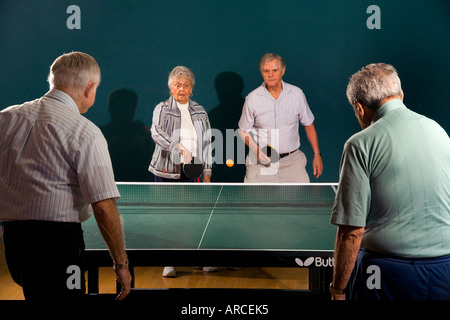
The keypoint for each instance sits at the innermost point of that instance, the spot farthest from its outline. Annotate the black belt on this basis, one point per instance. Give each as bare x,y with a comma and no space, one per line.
282,155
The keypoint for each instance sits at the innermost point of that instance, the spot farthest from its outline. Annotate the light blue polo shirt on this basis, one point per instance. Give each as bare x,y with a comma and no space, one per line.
395,182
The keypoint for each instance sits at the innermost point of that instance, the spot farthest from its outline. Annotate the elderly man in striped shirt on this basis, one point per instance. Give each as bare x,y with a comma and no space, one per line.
271,116
54,163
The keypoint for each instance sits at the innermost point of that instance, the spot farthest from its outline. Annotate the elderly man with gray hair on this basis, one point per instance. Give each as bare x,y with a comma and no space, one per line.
54,163
392,206
270,117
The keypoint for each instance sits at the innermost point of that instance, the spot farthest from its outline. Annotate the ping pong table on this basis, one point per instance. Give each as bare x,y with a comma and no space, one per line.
230,224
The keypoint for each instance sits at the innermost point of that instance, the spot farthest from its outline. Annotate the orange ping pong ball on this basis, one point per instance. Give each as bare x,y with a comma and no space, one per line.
230,163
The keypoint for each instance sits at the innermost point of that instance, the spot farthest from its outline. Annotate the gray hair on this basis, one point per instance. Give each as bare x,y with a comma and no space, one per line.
373,84
73,70
181,71
270,57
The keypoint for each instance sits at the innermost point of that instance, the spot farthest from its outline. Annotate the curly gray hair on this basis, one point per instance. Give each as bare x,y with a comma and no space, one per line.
181,71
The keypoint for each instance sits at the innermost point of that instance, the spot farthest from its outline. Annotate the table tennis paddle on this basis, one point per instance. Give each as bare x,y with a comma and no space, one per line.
271,153
193,170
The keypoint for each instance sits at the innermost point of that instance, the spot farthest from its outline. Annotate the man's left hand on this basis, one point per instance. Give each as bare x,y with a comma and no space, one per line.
317,166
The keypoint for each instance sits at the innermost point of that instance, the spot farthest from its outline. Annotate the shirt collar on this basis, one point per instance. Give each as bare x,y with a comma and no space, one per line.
387,107
284,88
173,103
63,97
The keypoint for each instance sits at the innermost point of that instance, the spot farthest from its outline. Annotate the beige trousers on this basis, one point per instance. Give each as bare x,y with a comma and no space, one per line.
290,169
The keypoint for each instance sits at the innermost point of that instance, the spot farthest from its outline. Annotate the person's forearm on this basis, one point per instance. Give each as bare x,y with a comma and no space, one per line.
248,140
108,220
348,242
311,135
261,157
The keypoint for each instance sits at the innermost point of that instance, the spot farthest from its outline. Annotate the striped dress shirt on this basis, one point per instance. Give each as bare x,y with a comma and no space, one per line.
53,161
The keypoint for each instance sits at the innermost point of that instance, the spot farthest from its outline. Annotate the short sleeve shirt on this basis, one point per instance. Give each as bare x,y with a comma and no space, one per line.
273,121
53,161
395,182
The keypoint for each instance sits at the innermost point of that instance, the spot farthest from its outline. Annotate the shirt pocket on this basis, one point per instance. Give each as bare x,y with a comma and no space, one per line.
287,115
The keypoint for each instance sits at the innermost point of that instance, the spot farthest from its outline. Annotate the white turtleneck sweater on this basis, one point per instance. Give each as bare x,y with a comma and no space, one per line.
188,135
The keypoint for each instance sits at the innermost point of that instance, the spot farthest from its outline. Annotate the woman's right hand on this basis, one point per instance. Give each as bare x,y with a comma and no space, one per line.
186,155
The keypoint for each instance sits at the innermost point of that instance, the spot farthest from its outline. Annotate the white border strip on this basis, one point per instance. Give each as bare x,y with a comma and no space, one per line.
227,184
213,249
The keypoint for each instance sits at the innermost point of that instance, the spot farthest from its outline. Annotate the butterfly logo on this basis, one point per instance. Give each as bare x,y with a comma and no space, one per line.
307,262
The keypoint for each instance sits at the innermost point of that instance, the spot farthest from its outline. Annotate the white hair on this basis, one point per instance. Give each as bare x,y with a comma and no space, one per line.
73,71
181,71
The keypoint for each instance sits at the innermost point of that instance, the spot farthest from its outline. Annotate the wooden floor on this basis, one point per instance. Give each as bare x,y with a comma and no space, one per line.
187,277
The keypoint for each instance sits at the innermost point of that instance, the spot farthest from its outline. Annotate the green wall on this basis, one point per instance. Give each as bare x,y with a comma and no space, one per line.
137,43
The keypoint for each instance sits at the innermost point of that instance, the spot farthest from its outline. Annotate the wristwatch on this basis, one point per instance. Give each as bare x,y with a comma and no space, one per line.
335,291
121,266
318,153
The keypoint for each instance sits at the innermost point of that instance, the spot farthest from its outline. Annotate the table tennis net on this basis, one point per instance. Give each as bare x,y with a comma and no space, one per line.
220,195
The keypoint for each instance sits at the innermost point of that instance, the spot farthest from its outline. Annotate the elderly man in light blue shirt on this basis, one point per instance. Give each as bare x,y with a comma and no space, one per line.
393,199
271,116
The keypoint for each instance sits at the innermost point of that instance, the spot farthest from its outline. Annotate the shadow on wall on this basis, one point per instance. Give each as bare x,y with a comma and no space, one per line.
129,140
226,115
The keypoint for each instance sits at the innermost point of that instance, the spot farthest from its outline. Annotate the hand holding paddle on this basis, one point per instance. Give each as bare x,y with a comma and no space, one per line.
262,158
267,155
186,155
191,166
